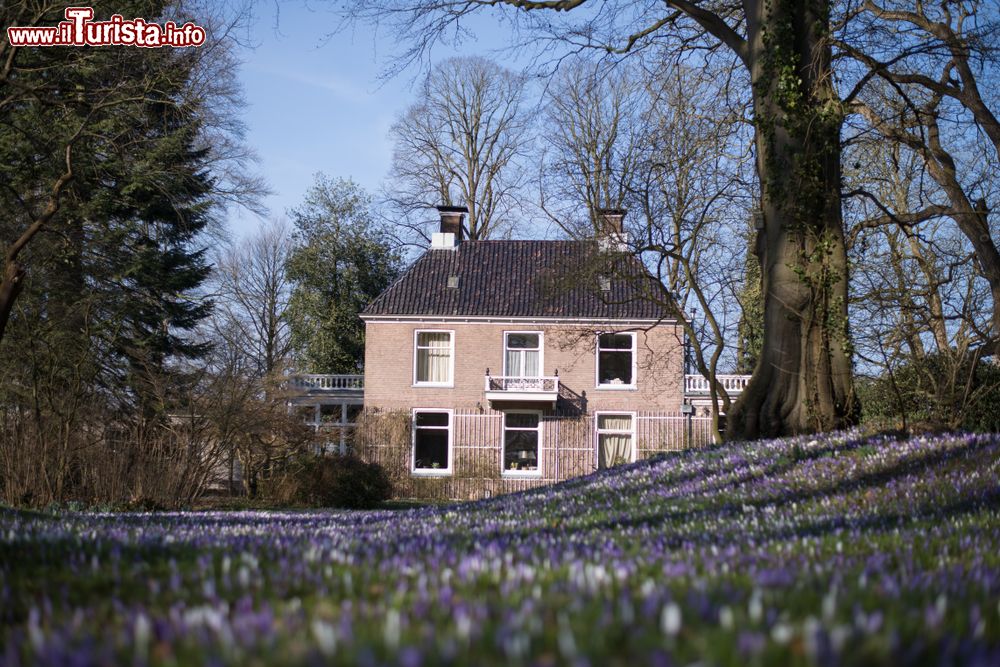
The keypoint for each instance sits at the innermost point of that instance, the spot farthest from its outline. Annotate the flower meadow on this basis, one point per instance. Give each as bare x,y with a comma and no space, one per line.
837,549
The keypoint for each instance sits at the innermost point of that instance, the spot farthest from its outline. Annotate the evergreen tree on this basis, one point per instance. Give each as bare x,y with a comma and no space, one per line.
110,281
149,246
342,260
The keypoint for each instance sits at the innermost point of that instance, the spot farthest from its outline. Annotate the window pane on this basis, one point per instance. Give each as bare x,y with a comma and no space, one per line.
523,363
616,341
352,413
613,450
515,366
432,419
531,368
329,413
522,420
434,364
529,341
614,368
520,451
614,422
431,449
434,339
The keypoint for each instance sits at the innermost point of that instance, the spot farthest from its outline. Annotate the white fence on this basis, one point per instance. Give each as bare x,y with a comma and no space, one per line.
568,448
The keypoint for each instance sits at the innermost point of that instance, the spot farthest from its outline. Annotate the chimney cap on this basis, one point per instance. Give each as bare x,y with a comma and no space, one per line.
453,209
610,221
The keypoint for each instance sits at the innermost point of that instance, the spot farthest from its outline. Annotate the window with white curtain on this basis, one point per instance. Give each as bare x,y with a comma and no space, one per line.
521,439
432,442
434,353
523,354
616,360
615,439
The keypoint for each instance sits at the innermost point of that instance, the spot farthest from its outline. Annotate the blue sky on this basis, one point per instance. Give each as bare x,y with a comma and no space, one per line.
317,104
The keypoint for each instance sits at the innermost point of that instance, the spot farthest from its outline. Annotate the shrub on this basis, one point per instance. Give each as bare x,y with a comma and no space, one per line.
936,391
330,481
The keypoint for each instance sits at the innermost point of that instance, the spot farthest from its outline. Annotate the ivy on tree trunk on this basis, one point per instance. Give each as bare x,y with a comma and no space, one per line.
802,382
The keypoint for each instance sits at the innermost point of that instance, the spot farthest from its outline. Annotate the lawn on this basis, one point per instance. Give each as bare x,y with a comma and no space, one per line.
830,550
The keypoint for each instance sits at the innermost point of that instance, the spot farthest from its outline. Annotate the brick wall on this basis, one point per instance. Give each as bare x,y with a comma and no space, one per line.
389,360
567,449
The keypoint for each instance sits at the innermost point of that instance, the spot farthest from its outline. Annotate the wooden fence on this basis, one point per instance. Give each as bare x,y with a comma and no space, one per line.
568,448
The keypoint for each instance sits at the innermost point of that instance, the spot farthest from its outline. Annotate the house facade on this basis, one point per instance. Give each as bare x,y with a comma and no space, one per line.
493,366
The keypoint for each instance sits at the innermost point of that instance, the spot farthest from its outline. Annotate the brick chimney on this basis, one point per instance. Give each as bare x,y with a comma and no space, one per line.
450,234
611,220
612,234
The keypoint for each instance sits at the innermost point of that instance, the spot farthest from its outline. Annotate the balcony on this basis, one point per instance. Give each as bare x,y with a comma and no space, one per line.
696,385
540,389
328,385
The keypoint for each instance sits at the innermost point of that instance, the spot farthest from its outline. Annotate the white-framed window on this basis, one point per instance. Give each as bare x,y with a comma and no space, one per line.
308,414
335,421
433,358
432,442
523,352
522,444
615,438
616,360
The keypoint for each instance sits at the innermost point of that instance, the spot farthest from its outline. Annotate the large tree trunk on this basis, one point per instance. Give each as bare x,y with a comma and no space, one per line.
802,382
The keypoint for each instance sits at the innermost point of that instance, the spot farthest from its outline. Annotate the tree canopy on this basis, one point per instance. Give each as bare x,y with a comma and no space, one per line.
341,260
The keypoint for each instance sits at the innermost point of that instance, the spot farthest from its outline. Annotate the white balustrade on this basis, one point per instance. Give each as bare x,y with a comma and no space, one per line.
543,383
325,382
733,384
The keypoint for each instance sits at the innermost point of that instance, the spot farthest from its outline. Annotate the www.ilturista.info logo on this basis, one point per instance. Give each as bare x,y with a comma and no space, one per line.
79,30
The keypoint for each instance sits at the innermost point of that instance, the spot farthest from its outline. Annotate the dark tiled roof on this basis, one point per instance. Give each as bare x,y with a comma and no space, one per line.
525,279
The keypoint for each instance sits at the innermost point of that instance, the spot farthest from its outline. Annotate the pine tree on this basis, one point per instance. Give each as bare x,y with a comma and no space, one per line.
112,278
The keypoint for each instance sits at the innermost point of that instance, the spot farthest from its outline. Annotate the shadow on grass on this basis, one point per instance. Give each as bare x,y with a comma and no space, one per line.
975,453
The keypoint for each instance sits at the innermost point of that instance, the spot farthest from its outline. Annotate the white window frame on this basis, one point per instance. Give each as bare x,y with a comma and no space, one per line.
451,359
316,419
635,365
432,472
339,425
503,446
541,351
598,432
342,426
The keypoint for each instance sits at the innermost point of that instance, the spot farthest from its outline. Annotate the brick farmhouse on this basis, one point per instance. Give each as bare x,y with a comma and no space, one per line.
493,366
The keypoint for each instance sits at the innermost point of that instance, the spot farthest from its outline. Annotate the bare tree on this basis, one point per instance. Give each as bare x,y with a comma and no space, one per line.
808,66
695,198
673,148
925,94
804,381
592,143
252,292
461,143
917,290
